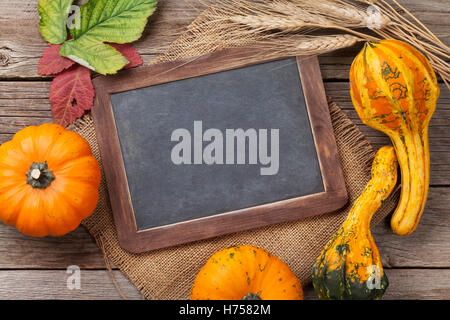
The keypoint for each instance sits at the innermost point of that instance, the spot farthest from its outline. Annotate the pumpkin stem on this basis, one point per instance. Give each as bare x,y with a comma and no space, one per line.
40,176
251,296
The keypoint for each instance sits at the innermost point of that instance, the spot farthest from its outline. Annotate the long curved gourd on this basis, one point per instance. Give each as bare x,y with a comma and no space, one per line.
349,266
394,90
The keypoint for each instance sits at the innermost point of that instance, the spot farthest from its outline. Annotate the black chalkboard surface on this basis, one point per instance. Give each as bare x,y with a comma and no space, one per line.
265,96
201,150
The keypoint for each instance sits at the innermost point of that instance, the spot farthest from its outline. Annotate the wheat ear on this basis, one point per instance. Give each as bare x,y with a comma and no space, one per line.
298,45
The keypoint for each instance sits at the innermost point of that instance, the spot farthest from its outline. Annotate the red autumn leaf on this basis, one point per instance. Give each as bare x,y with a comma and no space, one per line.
128,52
52,62
71,93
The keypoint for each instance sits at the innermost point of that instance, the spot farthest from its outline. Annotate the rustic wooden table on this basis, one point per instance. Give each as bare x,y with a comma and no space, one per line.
418,266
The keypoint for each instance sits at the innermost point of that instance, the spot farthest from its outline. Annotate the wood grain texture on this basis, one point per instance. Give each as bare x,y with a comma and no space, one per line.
21,44
97,284
427,247
50,285
25,103
410,284
18,251
438,130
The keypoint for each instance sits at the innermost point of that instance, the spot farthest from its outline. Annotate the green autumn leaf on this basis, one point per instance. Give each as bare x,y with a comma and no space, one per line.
53,19
94,55
116,21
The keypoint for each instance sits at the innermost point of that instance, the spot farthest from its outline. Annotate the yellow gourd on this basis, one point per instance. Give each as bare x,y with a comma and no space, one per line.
394,90
349,266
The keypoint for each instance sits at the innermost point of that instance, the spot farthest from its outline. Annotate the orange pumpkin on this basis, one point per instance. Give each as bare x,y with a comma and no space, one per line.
394,90
49,181
248,273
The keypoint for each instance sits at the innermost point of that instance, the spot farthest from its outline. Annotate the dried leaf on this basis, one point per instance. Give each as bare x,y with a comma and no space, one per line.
71,93
130,53
52,62
94,55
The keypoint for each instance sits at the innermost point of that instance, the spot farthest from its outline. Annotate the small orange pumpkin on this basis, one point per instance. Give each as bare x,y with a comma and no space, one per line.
248,273
49,181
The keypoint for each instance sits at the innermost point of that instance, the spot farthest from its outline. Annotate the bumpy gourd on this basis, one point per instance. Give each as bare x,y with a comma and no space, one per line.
394,90
49,181
246,272
349,266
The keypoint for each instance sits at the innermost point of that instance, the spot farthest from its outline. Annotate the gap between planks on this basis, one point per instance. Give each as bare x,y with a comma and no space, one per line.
404,284
21,44
427,247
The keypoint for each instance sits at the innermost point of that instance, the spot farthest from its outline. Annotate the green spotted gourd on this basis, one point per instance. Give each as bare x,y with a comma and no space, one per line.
349,267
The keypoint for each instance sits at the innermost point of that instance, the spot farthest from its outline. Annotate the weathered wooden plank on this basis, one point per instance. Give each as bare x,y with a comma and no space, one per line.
52,284
97,284
28,90
18,251
37,90
439,144
25,108
439,129
21,44
440,155
418,284
410,284
14,124
26,103
427,247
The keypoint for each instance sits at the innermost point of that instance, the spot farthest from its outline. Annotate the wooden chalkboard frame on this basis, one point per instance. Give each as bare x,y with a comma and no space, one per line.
137,241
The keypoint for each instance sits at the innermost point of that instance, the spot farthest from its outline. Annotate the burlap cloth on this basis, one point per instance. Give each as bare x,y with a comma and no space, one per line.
169,273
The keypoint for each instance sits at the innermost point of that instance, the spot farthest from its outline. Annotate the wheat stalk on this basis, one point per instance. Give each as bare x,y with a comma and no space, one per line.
343,13
292,45
292,16
284,24
323,44
265,22
307,45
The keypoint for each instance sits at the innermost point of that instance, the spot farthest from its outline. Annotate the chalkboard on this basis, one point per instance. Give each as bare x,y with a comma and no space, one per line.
212,145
